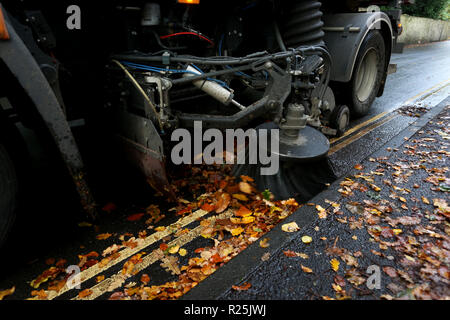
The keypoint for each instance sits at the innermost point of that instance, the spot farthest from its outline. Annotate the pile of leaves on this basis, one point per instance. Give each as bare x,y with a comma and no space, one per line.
237,215
251,214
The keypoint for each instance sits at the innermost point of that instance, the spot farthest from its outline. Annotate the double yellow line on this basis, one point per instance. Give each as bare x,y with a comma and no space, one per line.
372,123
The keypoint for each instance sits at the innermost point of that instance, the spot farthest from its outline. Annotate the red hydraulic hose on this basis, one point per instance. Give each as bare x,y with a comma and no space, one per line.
187,33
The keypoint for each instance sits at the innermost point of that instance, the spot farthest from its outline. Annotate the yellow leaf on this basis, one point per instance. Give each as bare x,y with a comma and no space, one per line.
174,249
375,188
160,229
397,231
402,199
241,197
235,220
264,243
322,212
306,269
237,231
182,252
290,227
425,200
247,220
100,278
335,264
8,292
306,239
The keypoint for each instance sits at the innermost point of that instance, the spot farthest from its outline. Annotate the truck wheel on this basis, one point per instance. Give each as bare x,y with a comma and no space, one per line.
8,193
340,119
368,73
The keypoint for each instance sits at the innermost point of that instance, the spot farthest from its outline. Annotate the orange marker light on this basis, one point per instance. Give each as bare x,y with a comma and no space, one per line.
189,1
4,35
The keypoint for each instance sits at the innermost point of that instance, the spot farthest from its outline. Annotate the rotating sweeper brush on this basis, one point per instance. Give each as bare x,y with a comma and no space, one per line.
304,167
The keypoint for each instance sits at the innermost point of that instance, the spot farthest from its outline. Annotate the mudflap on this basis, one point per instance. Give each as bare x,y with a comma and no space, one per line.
143,148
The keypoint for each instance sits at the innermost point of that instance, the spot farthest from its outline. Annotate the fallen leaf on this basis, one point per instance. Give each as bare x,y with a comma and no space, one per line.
266,256
306,269
391,272
240,197
243,287
223,202
103,236
7,292
174,249
290,227
321,212
135,217
243,211
335,264
245,187
84,293
145,278
307,239
182,252
237,231
264,243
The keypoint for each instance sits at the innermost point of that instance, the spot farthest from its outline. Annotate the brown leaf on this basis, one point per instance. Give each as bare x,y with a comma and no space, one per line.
223,202
103,236
245,187
390,271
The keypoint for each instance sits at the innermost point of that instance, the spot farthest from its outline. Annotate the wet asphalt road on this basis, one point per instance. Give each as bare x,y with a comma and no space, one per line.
53,232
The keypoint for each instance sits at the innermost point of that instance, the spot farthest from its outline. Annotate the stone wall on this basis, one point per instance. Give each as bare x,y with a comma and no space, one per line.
423,30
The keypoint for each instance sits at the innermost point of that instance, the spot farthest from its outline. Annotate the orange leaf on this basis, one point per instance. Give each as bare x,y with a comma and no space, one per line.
306,269
247,179
244,287
243,212
207,207
103,236
85,293
41,294
145,278
163,246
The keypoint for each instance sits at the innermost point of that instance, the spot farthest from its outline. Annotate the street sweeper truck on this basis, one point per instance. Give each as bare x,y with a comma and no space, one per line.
145,73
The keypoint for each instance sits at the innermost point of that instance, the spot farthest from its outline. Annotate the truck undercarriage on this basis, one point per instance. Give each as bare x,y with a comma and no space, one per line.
153,67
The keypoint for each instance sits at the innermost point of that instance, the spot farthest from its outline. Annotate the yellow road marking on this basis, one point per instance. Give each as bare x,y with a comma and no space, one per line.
117,280
360,134
423,95
359,126
420,95
128,252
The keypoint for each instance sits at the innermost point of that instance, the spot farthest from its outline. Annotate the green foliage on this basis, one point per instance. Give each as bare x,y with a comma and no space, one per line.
434,9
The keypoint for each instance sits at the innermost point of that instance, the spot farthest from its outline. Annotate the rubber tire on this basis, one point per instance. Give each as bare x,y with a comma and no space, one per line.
338,112
8,194
374,40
